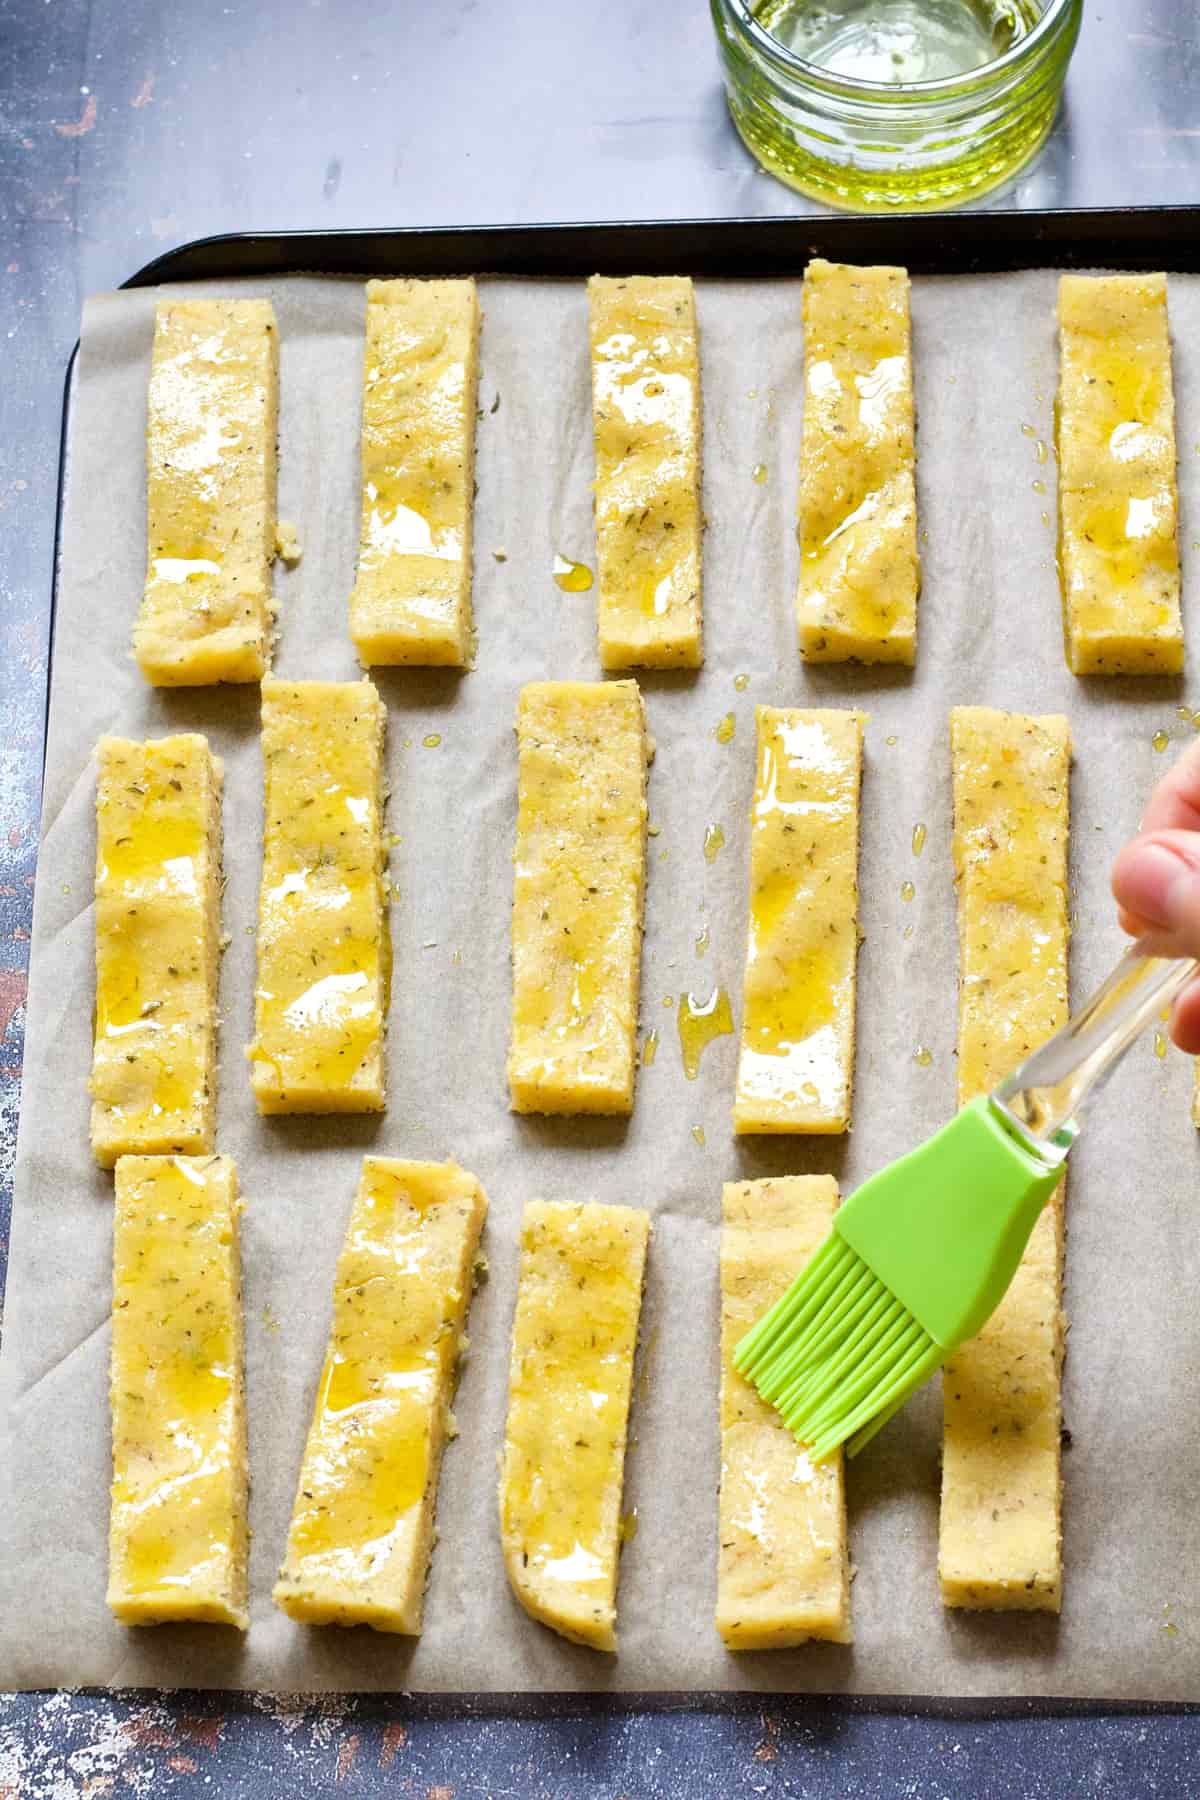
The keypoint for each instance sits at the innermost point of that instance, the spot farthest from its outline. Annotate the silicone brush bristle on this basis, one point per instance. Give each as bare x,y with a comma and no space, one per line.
837,1354
908,1272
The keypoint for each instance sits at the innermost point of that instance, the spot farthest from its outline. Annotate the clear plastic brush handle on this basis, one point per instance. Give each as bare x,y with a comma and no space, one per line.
1044,1095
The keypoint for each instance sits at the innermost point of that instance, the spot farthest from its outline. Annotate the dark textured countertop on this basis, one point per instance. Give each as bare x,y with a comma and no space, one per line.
129,126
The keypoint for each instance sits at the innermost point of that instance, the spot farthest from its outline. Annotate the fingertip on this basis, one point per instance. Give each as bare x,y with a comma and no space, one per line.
1185,1019
1175,802
1145,877
1130,923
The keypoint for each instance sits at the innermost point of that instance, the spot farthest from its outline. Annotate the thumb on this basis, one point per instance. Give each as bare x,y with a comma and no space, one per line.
1156,883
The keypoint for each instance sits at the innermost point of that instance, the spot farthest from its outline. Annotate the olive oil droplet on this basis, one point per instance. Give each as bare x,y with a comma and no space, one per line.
1039,487
698,1134
918,839
700,1021
432,741
923,1056
741,683
1029,431
1160,740
1181,712
714,843
649,1048
725,730
572,577
907,891
891,740
629,1526
1041,450
702,941
760,473
1160,1044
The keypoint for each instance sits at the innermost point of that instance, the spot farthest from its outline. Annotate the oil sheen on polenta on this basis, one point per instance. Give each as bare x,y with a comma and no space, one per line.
323,948
646,421
1000,1544
796,1061
362,1527
177,1540
207,609
1118,547
578,1302
1010,847
783,1570
412,593
158,876
577,896
859,572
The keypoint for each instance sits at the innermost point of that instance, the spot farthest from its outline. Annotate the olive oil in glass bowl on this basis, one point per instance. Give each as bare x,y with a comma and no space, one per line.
894,104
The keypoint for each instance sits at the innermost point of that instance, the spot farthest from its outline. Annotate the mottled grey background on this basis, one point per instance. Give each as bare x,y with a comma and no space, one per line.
125,128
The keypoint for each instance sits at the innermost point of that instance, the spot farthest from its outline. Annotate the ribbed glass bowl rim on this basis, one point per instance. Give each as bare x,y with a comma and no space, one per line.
804,74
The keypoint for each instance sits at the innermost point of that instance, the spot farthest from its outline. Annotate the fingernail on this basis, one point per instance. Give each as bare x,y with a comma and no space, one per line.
1156,885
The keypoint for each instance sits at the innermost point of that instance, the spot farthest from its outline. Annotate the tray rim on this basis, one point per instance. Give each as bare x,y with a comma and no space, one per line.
772,243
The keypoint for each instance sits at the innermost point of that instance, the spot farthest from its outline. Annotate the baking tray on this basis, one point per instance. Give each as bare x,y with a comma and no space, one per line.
1129,238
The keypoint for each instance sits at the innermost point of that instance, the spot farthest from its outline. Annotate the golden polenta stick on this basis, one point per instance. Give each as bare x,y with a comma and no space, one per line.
177,1534
577,896
574,1334
207,610
859,573
1118,549
158,946
412,595
324,964
796,1065
646,420
362,1526
783,1570
1001,1533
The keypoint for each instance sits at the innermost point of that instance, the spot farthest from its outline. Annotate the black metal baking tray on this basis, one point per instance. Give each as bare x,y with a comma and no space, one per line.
1163,237
926,243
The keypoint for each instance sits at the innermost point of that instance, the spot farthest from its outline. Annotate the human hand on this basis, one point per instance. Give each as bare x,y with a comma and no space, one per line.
1156,882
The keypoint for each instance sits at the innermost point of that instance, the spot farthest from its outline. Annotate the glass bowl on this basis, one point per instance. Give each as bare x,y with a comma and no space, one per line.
873,145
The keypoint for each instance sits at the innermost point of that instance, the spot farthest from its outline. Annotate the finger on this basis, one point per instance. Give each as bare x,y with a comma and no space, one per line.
1185,1019
1175,802
1130,922
1156,881
1161,943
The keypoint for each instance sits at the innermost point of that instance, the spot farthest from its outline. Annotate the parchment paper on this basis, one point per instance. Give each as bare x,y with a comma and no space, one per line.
990,633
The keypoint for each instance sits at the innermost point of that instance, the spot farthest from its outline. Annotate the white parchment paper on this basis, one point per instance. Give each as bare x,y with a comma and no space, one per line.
989,633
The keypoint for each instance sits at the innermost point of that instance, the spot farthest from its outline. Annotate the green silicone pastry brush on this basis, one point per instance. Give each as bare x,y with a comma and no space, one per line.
921,1255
